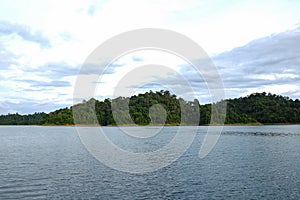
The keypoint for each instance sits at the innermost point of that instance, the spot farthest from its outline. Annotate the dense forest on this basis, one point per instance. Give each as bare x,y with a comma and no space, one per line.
165,108
17,119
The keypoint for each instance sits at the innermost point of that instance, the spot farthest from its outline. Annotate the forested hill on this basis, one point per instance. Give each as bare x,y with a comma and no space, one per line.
264,108
256,108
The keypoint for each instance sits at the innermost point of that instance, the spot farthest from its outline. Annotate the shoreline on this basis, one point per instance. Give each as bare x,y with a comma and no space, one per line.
158,125
135,125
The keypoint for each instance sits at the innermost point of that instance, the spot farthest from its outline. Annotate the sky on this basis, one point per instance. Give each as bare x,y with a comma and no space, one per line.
255,46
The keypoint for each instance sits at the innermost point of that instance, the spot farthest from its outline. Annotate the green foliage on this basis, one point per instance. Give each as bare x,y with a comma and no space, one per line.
264,108
139,107
165,108
58,117
17,119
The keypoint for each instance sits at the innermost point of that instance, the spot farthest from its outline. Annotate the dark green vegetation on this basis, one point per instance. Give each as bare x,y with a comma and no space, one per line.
256,108
264,108
17,119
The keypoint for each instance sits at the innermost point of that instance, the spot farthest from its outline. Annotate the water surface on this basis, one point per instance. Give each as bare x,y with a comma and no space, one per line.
251,162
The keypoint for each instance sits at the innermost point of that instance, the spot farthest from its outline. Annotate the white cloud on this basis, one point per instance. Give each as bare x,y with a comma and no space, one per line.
74,28
274,77
274,89
128,65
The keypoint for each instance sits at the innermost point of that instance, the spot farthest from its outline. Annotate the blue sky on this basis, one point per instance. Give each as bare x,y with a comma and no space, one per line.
254,44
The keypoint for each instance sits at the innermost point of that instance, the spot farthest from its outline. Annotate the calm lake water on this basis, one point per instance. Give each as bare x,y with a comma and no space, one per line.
255,162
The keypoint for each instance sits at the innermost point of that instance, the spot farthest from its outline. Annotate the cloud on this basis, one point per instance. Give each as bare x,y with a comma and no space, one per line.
262,64
99,69
270,64
29,107
91,10
45,88
66,36
43,84
7,28
54,70
41,66
7,58
136,59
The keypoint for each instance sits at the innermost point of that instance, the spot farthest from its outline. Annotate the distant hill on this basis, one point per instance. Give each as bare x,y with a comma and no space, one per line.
265,108
256,108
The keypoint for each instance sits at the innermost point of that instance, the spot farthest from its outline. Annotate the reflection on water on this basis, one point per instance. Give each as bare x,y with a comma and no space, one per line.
250,162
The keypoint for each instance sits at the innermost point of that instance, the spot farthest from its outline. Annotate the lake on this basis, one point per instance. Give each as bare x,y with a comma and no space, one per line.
248,162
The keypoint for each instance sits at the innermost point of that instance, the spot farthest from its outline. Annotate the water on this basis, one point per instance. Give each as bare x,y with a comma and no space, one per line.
252,162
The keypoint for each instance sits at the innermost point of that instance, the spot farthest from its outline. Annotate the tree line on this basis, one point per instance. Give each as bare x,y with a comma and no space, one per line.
162,107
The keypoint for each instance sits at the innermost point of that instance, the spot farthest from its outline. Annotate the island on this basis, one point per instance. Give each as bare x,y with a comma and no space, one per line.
254,109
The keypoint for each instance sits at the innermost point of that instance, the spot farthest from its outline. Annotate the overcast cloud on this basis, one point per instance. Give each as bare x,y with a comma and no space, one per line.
43,44
270,64
8,28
